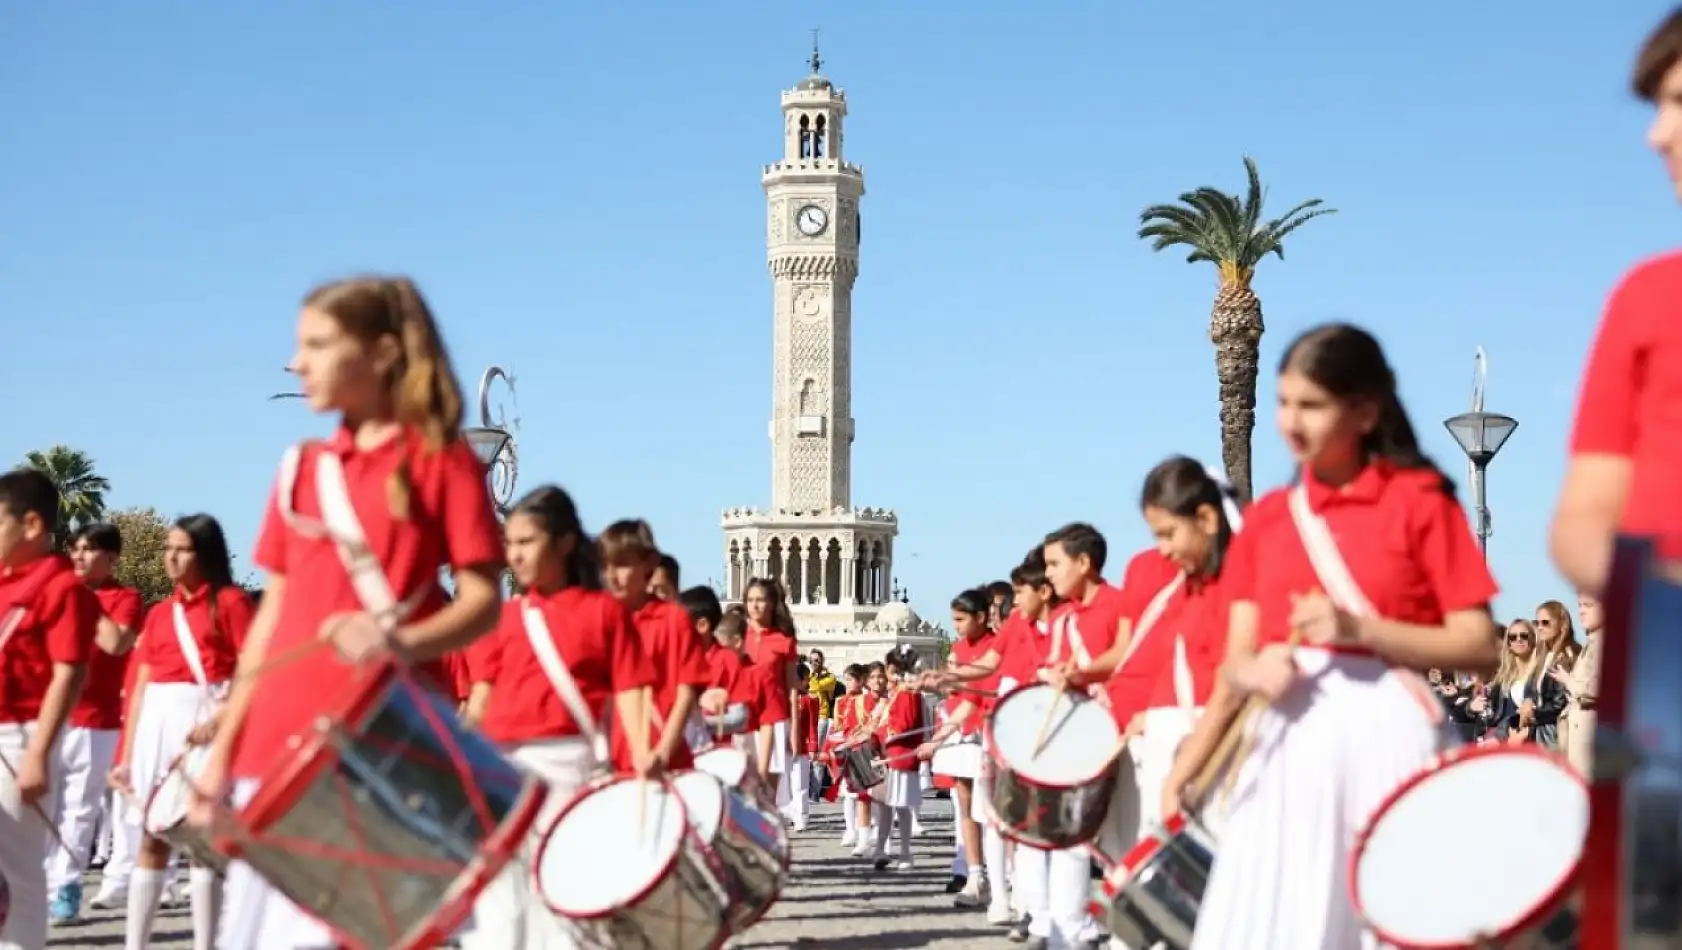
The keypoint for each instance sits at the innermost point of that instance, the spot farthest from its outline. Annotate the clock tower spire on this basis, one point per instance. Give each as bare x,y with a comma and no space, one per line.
834,560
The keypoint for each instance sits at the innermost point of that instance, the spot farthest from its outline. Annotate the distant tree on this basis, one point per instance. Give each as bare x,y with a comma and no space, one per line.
81,489
142,565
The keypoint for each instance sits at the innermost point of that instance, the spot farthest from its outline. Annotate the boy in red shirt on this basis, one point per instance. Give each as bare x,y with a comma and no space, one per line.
48,622
629,558
90,740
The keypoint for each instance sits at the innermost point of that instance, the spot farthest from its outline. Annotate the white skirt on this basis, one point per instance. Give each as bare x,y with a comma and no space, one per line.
1153,752
958,758
509,913
779,748
898,789
1324,758
168,714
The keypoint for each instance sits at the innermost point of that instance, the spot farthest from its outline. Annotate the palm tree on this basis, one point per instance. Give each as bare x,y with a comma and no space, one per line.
1229,232
81,489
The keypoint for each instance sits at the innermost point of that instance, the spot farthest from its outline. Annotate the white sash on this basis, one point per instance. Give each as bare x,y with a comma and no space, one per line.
555,668
1328,562
1185,690
340,523
1067,625
1153,613
13,617
190,646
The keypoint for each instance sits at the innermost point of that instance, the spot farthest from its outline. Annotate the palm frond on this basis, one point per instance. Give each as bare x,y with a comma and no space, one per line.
1223,228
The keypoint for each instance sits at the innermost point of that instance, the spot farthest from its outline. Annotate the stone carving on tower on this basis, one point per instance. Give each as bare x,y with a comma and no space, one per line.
835,560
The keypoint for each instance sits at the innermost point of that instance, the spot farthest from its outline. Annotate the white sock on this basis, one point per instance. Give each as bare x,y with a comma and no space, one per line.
849,818
960,861
904,834
145,890
206,893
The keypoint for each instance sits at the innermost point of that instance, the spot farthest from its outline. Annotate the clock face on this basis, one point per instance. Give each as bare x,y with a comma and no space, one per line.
811,220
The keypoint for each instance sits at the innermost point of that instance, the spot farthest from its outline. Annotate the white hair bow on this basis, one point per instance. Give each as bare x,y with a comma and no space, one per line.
1229,498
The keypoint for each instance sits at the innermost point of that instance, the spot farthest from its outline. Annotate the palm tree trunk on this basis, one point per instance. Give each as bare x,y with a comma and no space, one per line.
1235,327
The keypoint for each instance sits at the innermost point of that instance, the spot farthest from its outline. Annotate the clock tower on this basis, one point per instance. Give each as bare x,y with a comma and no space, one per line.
835,560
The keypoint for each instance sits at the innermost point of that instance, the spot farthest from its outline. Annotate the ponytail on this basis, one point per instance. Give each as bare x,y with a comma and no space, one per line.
553,510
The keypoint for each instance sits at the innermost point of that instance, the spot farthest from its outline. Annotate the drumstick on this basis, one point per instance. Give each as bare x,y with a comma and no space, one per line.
1045,723
1235,745
647,694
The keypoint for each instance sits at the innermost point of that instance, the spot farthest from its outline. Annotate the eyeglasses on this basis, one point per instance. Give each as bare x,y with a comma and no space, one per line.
1544,622
1518,638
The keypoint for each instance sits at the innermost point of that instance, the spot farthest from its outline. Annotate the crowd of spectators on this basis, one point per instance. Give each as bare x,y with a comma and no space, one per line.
1544,690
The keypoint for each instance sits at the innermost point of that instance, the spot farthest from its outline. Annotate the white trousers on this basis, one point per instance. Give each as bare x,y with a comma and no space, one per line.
1054,887
255,916
1324,758
510,914
84,757
798,782
23,847
124,837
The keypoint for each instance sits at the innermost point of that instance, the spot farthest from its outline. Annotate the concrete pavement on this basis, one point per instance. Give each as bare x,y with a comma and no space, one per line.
833,902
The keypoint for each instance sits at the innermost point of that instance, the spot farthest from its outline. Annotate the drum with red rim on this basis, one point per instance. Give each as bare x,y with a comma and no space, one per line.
1525,802
1053,755
748,840
1632,863
623,865
388,819
1152,896
165,816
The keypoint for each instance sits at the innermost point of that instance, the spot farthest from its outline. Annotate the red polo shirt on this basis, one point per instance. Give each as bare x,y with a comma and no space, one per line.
101,703
59,623
217,624
775,651
450,522
677,658
1147,574
1630,404
1406,541
1093,621
1201,624
966,650
596,639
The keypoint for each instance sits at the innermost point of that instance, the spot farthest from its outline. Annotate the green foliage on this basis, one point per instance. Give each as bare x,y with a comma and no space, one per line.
1225,229
81,489
142,564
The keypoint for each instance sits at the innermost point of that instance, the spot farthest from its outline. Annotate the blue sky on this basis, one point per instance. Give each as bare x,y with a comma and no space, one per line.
577,189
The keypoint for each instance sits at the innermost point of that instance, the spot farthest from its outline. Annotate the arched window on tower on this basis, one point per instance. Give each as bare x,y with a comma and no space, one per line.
808,404
805,137
818,139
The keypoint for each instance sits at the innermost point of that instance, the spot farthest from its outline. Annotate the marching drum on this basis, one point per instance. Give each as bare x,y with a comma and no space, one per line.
1632,864
734,768
623,864
165,815
749,843
1526,803
861,764
386,821
1153,894
1059,797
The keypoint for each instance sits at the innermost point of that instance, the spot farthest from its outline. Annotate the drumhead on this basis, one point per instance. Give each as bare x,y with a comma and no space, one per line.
703,799
1523,806
1080,741
596,859
725,764
167,805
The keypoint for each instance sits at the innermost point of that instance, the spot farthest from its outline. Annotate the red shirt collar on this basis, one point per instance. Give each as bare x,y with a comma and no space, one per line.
343,442
1365,488
191,596
46,562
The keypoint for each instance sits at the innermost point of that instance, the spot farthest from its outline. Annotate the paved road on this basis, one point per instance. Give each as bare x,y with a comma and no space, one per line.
834,902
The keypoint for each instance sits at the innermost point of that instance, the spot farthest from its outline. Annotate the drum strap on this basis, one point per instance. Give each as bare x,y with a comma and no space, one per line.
340,522
1067,626
1153,613
188,644
560,678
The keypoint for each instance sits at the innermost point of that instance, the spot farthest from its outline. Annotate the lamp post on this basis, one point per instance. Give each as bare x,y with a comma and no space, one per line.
1480,435
493,440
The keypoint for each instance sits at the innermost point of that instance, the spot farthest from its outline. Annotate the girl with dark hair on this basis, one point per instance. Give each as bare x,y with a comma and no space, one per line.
954,748
1159,672
186,653
1368,563
397,480
900,713
770,644
564,640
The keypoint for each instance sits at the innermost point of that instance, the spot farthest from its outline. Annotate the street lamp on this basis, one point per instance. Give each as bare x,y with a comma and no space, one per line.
1481,435
493,440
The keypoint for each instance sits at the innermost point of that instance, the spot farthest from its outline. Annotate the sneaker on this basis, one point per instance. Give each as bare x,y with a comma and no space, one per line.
109,899
175,894
1019,933
1001,916
970,897
958,883
849,838
66,905
863,848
